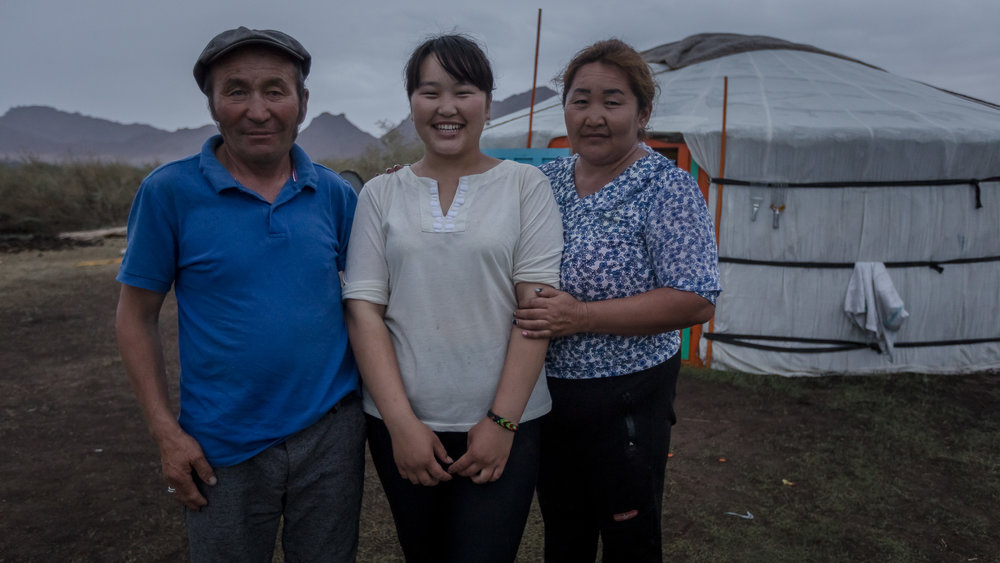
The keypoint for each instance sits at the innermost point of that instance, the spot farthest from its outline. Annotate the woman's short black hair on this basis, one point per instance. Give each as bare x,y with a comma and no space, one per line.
459,55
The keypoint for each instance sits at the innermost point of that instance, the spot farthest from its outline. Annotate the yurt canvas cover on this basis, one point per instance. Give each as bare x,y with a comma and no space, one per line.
867,167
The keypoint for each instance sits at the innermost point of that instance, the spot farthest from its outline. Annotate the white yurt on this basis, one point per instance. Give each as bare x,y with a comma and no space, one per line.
858,212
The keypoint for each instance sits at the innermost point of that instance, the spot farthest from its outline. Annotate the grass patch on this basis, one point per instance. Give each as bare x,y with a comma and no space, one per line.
874,468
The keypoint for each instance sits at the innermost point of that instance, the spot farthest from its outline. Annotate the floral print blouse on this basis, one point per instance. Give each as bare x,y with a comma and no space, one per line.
648,228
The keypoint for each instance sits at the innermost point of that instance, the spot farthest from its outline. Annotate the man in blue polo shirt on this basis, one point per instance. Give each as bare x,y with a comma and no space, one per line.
251,235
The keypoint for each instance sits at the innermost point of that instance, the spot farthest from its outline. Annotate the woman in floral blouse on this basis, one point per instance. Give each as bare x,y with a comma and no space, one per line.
639,263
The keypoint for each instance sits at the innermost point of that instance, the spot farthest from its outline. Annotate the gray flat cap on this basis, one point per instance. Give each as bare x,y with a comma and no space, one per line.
241,37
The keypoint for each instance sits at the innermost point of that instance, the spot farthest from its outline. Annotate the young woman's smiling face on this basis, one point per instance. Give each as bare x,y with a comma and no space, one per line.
448,114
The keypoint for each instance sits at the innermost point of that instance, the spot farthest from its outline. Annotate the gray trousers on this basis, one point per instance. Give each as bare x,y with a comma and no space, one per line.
313,480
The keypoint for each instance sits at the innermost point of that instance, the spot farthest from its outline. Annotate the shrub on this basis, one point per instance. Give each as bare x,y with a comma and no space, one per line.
41,198
393,150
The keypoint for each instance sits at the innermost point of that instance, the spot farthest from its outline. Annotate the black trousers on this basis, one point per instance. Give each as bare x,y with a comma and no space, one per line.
458,520
604,454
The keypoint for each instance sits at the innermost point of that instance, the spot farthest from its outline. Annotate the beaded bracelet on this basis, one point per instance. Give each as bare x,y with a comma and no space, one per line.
503,422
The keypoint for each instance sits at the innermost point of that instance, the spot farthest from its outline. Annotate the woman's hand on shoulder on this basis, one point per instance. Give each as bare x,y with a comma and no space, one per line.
551,313
486,457
419,454
393,168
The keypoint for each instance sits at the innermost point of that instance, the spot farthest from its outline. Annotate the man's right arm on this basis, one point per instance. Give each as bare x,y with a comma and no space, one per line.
137,328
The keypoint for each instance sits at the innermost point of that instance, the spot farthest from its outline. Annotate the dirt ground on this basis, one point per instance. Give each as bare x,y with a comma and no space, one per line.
80,476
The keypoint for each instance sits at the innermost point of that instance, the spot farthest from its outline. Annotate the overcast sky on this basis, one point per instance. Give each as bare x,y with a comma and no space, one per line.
130,60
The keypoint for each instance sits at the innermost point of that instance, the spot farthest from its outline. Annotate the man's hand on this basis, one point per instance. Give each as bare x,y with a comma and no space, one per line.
182,457
551,313
486,457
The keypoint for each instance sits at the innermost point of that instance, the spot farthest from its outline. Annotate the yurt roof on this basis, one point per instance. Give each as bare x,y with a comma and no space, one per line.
836,117
707,46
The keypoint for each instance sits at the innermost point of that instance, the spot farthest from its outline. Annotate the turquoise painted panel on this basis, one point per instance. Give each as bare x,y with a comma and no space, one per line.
685,344
536,157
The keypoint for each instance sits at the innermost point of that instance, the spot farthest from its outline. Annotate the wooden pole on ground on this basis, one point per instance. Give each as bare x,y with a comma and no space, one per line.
718,200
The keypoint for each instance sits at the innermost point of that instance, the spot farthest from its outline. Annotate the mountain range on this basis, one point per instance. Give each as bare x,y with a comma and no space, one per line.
52,135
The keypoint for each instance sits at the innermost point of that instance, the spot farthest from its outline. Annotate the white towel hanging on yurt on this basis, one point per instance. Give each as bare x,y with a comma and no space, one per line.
873,303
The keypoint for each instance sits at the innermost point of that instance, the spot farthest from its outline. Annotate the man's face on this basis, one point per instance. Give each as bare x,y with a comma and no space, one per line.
256,105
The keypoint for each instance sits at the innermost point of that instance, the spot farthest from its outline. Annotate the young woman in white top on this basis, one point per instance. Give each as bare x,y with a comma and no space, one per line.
439,255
